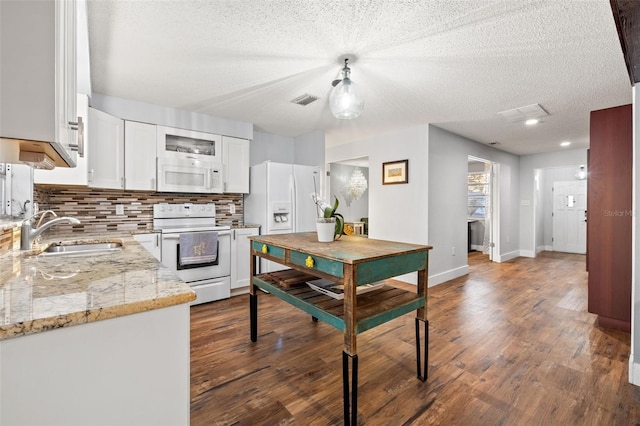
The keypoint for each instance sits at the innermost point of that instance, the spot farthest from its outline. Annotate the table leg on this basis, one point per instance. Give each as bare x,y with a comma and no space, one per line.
353,419
253,316
421,376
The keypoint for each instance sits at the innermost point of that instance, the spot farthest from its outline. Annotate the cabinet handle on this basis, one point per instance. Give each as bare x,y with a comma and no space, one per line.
79,147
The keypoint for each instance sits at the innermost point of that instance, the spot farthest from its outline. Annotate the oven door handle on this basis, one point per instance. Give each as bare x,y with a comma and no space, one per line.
177,236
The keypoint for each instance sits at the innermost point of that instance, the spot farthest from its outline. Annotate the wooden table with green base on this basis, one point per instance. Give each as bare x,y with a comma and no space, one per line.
352,262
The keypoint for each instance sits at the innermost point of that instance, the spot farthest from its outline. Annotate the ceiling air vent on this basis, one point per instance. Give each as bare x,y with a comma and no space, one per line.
304,100
523,113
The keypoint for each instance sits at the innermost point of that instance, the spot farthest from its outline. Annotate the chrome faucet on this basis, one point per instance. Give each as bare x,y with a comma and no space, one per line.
28,233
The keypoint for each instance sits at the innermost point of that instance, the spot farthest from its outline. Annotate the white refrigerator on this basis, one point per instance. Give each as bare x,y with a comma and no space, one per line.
280,200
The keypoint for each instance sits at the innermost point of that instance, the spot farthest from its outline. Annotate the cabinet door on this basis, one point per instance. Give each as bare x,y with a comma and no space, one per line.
106,143
139,156
235,155
240,262
38,66
70,175
151,242
66,77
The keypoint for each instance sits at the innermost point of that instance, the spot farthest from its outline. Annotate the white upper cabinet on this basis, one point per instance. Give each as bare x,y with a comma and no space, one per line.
106,147
140,156
38,84
235,154
189,144
70,175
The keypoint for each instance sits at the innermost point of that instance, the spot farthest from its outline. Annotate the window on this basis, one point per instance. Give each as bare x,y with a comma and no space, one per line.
477,195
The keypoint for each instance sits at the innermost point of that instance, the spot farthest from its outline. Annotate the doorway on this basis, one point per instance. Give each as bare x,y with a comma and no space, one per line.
349,183
482,208
559,214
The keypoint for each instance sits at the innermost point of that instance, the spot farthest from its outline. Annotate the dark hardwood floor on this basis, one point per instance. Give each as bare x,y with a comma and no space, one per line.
510,344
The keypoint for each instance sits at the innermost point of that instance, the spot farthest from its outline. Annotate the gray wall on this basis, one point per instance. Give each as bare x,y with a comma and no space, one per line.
307,149
448,167
269,147
431,208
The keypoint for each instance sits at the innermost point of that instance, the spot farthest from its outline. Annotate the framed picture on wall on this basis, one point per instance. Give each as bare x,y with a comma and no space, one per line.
394,172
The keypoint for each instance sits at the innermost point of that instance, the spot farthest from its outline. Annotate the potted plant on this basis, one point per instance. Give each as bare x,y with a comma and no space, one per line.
330,223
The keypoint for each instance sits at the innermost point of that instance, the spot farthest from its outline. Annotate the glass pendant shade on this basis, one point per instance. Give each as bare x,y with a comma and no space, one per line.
345,100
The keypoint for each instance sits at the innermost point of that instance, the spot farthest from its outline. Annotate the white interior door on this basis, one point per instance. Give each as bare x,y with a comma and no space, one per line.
569,225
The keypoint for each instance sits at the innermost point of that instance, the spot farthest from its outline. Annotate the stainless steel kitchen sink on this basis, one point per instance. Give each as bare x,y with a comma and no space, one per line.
80,248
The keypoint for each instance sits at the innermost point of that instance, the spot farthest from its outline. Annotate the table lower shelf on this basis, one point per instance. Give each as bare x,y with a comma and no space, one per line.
373,308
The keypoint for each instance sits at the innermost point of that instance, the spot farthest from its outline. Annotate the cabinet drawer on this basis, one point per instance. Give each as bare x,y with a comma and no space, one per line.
328,266
268,249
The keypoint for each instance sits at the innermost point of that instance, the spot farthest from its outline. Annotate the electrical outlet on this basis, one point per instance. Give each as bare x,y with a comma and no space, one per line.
232,208
453,251
119,209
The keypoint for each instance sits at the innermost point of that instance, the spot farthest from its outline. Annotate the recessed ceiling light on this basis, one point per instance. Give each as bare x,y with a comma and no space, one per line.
565,143
531,121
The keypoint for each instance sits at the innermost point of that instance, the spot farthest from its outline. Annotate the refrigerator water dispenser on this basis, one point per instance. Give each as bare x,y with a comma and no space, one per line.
281,215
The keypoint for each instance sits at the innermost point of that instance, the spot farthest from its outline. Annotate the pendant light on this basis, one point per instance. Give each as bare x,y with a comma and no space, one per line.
345,100
357,184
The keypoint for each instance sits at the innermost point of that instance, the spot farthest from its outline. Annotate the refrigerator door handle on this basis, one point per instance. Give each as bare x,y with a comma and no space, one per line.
294,203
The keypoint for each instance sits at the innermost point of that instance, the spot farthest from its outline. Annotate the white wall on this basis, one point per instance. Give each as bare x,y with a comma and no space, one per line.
156,114
634,359
528,166
396,212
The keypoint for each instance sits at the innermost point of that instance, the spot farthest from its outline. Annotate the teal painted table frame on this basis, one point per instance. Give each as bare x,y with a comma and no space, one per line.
351,261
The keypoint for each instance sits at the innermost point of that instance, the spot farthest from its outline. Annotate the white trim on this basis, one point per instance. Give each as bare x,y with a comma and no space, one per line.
477,247
634,372
448,275
540,249
514,254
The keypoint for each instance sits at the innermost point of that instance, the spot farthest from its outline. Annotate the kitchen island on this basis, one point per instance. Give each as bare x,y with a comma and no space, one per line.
351,262
93,339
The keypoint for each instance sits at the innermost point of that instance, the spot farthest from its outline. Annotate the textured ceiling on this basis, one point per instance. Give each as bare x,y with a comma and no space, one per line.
455,64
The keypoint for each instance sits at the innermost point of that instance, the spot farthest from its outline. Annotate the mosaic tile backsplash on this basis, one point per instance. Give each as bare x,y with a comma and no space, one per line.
96,208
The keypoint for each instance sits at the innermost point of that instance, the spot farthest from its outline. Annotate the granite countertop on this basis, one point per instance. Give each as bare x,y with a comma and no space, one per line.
40,293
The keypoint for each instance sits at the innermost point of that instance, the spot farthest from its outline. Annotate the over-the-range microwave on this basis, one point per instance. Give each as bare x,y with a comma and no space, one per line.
189,175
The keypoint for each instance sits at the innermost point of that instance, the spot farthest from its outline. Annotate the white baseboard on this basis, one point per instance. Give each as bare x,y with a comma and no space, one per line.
543,248
448,275
525,253
511,255
477,247
548,248
634,372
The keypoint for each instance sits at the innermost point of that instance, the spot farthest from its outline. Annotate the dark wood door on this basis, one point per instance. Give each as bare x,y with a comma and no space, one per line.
609,207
